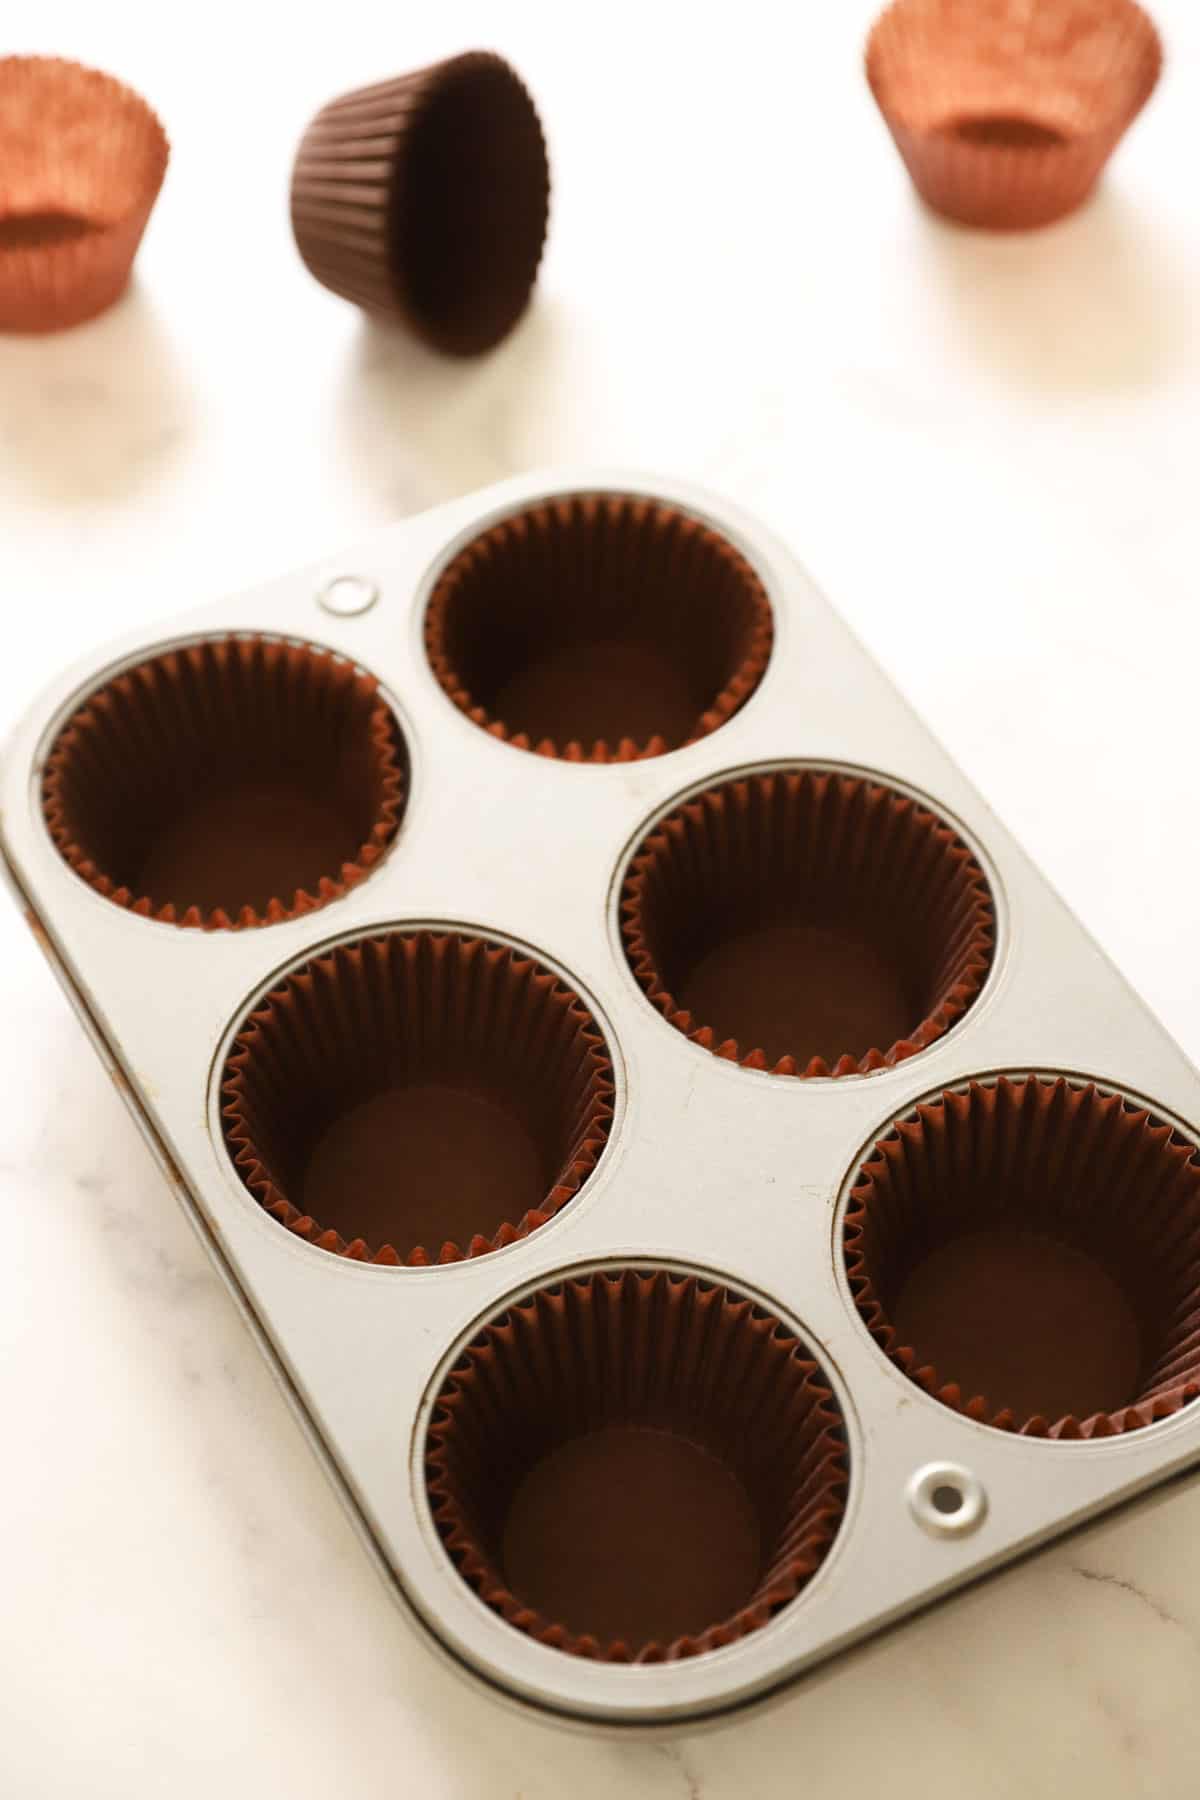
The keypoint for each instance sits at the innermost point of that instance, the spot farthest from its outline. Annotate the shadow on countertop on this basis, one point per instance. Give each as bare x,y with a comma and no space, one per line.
1091,305
90,416
419,428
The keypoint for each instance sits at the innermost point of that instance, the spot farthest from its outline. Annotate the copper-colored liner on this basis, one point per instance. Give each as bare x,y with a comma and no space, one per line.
1005,113
1089,1169
815,845
426,198
586,575
405,1009
192,724
82,159
652,1349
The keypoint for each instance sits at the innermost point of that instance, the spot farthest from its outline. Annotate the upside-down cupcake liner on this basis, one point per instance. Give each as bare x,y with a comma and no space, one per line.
82,159
599,628
1004,112
808,922
234,782
418,1097
636,1449
426,198
1044,1233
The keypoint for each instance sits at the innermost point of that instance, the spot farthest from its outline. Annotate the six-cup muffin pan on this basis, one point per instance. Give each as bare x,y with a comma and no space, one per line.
701,1191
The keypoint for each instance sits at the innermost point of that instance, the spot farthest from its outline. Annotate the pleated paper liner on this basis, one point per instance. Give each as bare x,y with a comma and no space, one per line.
807,922
82,159
425,199
636,1465
599,628
234,782
417,1097
1004,112
1027,1250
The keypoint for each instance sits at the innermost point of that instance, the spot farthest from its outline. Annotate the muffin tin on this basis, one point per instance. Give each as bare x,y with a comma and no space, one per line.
778,1315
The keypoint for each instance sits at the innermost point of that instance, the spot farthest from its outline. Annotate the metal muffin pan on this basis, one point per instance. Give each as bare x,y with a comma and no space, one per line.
710,1167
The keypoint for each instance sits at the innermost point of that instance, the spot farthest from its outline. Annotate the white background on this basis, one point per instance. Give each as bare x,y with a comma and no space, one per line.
986,452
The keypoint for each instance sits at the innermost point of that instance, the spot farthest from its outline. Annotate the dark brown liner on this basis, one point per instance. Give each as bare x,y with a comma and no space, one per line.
220,697
789,825
1005,114
1094,1169
426,198
646,1347
565,567
340,1028
83,160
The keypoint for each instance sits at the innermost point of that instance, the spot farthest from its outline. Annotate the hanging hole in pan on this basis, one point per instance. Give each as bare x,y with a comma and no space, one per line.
946,1500
348,596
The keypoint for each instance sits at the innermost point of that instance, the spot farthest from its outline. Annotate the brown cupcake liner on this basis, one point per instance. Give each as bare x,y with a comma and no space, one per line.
1041,1236
807,922
82,159
599,628
425,199
417,1089
638,1449
235,782
1005,113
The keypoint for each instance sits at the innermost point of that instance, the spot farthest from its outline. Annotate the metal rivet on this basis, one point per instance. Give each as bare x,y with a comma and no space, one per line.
946,1500
348,595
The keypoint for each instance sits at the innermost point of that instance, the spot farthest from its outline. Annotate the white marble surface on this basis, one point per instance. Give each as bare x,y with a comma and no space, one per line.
986,451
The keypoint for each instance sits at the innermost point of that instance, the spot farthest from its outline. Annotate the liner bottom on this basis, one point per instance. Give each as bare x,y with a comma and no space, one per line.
244,845
422,1163
635,1534
601,693
789,984
1021,1314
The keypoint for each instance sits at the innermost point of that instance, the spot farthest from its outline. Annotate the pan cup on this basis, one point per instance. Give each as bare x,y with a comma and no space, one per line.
599,628
808,922
417,1097
636,1465
1025,1249
233,782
